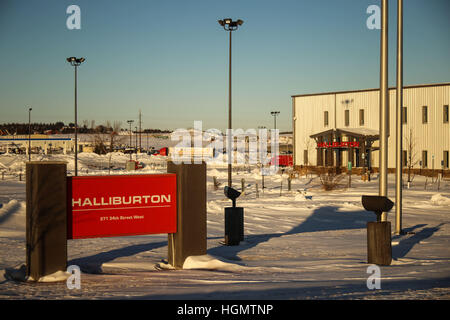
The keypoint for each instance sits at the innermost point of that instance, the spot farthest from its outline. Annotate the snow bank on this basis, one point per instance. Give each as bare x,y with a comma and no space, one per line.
12,216
214,206
127,266
54,277
18,273
440,200
204,262
210,263
301,196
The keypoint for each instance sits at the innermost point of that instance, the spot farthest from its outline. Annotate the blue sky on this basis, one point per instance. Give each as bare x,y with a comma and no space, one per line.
169,58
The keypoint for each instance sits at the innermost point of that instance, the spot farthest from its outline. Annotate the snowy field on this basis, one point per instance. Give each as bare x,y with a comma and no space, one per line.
300,244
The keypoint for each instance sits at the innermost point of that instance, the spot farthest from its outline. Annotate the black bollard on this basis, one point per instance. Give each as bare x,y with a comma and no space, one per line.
379,248
234,219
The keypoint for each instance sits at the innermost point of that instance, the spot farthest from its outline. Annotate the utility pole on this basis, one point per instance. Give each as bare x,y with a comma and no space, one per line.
136,129
130,122
399,133
29,133
384,103
140,129
230,26
275,114
75,62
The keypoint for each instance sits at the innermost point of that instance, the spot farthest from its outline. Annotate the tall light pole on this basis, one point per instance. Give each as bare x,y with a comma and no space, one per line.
384,103
140,129
136,148
29,133
399,122
275,114
75,62
130,122
230,25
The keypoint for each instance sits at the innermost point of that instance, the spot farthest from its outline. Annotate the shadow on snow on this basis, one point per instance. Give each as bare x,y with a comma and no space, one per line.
326,218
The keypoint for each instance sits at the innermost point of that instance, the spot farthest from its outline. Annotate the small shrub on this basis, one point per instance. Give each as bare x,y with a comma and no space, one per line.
330,180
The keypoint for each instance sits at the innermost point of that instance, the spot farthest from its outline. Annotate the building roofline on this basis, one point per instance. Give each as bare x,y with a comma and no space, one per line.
372,89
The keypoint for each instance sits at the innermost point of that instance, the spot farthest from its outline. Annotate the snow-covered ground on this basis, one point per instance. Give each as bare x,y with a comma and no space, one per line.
300,244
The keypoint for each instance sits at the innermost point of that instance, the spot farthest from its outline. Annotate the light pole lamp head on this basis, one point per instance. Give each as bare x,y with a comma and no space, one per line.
75,61
275,113
229,25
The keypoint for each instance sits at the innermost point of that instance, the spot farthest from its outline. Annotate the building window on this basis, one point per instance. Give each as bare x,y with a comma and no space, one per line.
361,117
305,157
424,114
347,118
404,115
445,113
325,118
445,159
424,159
405,158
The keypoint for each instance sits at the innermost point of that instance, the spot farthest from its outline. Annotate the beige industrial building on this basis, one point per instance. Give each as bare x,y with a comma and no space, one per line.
40,143
335,128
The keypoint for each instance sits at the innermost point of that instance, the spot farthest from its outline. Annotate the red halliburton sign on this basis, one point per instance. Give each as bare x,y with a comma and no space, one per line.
111,206
343,144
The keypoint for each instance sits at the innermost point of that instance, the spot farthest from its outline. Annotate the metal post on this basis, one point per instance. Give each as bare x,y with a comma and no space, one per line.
136,148
140,130
75,62
275,114
399,133
384,102
230,25
76,125
230,136
275,122
130,122
262,182
29,134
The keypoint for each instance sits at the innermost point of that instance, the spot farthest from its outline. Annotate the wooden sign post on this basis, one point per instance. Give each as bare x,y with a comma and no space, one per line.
46,218
190,238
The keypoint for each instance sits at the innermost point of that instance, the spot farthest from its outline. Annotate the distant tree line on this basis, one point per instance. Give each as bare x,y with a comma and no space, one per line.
59,127
156,131
22,128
